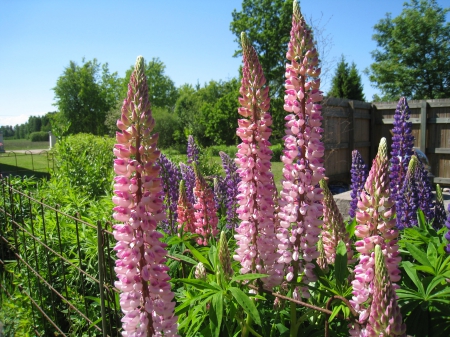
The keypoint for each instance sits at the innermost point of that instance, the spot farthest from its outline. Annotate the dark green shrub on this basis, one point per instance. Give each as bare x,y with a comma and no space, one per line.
277,152
39,136
86,161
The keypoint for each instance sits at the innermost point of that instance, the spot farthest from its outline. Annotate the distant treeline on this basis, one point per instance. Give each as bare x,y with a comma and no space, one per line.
36,128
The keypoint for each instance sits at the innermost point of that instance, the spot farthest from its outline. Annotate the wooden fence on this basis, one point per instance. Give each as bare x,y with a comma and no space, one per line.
350,125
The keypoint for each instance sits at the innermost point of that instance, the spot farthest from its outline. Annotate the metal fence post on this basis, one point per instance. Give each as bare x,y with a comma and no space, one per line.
101,276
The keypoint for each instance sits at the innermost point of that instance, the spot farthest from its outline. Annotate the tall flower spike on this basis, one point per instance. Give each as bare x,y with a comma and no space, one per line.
146,298
333,229
256,239
300,203
171,176
402,147
359,176
376,226
447,235
408,201
192,151
231,183
439,209
385,318
224,256
205,209
185,211
424,190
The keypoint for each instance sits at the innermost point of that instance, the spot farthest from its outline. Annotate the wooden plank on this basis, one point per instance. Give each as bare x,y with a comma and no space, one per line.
444,150
423,127
391,120
373,149
339,114
343,102
351,130
439,180
362,144
361,115
438,120
334,146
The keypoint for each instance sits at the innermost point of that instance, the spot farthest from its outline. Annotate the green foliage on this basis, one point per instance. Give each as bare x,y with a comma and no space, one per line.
209,113
161,89
346,82
40,136
424,295
83,96
413,58
85,161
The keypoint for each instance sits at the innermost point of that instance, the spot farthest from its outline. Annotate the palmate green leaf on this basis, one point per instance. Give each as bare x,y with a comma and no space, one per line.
212,254
179,309
351,227
412,273
246,303
247,277
422,220
216,312
185,258
340,266
432,255
418,254
433,284
199,256
335,311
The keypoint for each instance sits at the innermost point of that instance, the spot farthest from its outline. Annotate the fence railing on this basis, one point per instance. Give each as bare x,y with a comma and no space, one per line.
60,263
29,162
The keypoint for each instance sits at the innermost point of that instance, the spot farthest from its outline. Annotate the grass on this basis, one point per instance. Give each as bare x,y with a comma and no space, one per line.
23,144
26,164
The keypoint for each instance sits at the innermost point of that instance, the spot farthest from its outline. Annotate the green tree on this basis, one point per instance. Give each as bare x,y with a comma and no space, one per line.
83,96
346,82
161,89
413,58
267,24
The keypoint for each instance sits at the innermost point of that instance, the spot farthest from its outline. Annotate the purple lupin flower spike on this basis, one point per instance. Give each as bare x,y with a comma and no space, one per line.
424,190
402,147
171,177
408,199
447,235
146,298
188,175
230,185
359,176
439,209
192,151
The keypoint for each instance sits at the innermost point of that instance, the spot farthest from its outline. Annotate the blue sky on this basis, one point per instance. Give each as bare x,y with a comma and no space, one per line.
38,38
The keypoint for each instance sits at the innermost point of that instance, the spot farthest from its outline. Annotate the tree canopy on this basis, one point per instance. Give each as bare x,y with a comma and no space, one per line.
413,55
84,94
346,82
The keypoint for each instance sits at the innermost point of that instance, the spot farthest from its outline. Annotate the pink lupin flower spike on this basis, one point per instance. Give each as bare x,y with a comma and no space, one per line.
256,239
300,203
146,298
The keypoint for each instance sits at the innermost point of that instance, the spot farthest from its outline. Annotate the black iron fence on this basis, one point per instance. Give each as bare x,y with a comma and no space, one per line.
61,264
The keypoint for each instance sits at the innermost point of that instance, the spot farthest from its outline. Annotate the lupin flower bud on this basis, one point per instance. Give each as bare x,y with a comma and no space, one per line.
200,271
256,240
333,228
146,298
224,256
385,318
359,175
402,147
185,211
205,210
439,209
408,201
376,226
300,204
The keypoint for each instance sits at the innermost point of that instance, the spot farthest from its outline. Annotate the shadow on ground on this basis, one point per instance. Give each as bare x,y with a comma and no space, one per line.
11,170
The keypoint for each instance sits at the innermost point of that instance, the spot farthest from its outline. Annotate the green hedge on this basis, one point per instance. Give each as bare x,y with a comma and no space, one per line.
39,136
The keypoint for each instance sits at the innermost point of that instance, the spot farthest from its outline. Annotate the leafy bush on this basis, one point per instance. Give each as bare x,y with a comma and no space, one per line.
169,128
216,149
85,161
40,136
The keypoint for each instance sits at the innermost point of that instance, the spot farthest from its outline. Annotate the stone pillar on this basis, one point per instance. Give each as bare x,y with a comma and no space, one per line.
52,139
2,146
